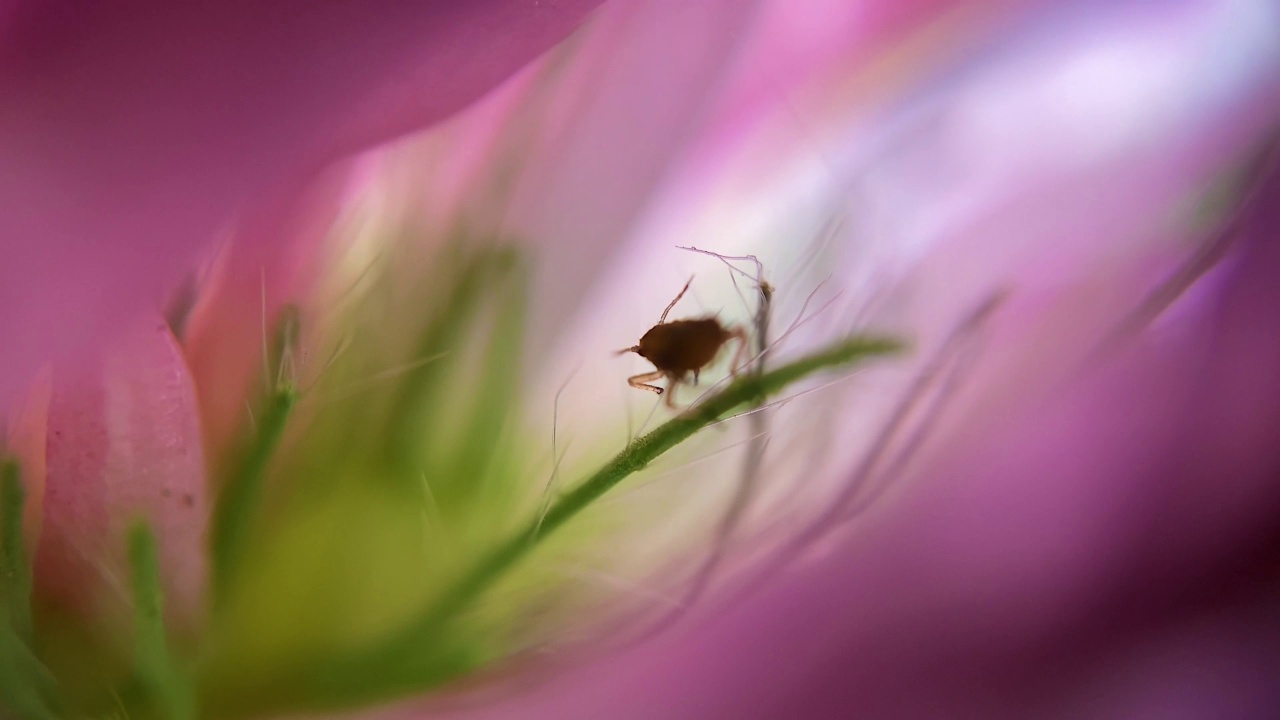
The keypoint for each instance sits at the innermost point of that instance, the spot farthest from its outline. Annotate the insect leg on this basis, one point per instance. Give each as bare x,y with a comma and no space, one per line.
739,355
673,381
641,381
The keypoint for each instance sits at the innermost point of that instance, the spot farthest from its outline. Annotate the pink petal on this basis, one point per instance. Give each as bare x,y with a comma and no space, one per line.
123,445
130,134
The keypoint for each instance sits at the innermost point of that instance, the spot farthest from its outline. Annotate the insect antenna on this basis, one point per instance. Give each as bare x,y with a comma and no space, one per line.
673,302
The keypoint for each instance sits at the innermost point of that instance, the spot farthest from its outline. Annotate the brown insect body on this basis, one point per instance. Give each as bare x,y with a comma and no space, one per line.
680,347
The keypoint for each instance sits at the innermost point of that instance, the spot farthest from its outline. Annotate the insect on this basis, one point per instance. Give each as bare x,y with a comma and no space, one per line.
680,347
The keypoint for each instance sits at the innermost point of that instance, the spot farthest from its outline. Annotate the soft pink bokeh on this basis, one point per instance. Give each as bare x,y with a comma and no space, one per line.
1098,536
1107,550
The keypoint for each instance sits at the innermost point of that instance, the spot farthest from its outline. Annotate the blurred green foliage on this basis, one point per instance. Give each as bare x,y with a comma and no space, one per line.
381,529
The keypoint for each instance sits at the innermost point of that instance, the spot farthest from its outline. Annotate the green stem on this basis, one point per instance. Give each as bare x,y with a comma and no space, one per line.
24,682
389,664
15,571
240,497
155,671
643,451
